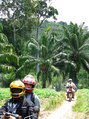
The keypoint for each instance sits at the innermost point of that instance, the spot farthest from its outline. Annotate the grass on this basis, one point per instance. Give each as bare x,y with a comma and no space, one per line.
46,93
54,102
82,104
4,95
50,98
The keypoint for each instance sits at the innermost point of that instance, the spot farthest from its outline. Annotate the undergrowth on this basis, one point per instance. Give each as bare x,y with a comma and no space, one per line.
54,102
82,104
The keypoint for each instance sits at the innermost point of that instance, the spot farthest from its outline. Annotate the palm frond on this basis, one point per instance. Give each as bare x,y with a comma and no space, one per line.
3,38
32,45
85,65
32,40
55,69
6,68
9,58
84,56
84,47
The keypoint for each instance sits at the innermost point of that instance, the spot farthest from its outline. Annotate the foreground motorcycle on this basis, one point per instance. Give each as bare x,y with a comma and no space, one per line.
8,115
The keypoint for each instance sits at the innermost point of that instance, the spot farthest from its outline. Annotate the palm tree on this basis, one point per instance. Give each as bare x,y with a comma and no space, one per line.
76,45
61,62
8,59
46,46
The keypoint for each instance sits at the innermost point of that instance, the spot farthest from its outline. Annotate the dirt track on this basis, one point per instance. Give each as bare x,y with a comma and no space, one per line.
63,112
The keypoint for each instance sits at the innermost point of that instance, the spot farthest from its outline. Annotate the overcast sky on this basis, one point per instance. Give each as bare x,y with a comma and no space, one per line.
76,11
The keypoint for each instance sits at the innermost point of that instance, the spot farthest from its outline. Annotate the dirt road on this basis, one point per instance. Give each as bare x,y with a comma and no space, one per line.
63,112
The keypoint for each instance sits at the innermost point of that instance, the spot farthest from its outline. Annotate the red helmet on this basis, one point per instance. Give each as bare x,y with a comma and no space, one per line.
29,79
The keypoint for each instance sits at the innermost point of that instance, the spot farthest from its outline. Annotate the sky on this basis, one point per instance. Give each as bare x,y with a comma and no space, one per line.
76,11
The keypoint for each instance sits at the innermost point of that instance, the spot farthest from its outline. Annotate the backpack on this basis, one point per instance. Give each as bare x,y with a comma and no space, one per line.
33,97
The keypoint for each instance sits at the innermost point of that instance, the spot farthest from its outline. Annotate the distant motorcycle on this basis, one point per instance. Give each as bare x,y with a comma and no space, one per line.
69,92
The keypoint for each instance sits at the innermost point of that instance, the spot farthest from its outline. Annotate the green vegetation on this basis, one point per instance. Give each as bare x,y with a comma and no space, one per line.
82,104
49,98
83,79
46,93
54,102
4,95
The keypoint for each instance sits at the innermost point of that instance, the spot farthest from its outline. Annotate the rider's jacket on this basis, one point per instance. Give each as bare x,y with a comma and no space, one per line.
74,88
23,107
34,98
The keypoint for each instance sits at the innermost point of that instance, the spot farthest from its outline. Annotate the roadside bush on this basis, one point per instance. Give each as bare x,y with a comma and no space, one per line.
4,95
6,79
82,104
83,80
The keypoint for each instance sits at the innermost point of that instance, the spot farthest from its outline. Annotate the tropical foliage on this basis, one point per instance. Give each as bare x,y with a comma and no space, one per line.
9,61
61,51
76,45
46,47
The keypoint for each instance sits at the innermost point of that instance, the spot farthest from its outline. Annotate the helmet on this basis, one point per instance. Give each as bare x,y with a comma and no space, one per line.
17,89
69,80
29,79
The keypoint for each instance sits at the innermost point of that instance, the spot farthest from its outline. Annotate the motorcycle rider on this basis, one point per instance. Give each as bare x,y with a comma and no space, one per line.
29,82
18,104
74,88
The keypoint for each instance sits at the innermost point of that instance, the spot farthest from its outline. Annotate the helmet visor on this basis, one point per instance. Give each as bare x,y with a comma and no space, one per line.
16,90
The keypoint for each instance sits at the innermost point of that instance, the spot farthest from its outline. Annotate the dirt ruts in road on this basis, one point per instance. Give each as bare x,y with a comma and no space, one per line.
63,112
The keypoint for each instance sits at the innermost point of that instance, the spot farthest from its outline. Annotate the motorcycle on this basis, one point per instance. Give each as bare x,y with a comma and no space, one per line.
8,115
69,92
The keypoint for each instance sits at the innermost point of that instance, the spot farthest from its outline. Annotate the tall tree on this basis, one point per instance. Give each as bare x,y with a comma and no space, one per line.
44,12
20,15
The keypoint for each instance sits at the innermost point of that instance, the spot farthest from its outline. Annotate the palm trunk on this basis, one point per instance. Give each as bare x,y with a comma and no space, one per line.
37,66
73,75
63,74
43,80
14,32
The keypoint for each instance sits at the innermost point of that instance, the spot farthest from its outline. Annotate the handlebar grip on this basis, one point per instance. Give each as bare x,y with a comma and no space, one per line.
7,114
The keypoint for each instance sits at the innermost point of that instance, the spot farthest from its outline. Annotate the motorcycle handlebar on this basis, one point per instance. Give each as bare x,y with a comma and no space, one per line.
17,116
31,116
10,114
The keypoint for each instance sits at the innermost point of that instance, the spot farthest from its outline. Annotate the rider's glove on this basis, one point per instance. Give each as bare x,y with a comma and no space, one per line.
6,116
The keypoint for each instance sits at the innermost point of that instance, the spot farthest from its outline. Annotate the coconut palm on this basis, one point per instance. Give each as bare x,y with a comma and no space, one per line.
76,45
